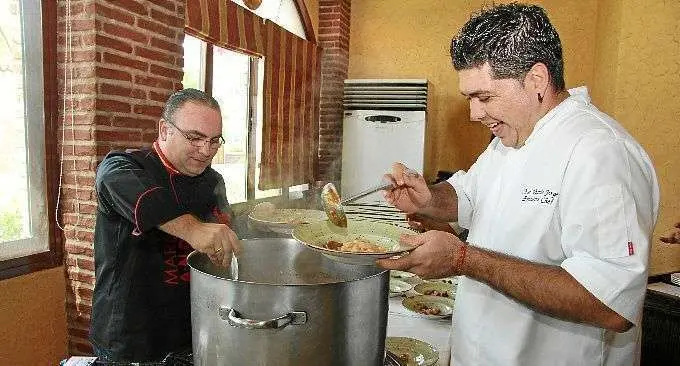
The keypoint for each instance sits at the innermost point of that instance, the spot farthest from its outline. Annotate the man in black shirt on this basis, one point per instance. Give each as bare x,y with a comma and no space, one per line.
155,207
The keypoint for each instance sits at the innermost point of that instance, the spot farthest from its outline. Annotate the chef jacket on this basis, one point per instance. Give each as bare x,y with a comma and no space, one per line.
581,194
141,305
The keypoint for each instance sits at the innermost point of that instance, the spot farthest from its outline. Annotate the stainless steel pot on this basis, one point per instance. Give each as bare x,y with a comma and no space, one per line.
288,306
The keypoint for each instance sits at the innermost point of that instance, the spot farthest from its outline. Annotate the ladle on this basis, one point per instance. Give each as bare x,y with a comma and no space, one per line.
333,205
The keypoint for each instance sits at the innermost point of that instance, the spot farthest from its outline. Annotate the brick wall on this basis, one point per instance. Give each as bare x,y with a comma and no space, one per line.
125,59
334,22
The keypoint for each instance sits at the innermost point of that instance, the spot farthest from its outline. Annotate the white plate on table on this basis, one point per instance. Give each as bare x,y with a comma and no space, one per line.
412,352
398,287
433,288
416,303
316,236
401,274
283,220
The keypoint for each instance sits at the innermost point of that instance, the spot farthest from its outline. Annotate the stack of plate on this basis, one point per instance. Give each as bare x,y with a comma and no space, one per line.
675,278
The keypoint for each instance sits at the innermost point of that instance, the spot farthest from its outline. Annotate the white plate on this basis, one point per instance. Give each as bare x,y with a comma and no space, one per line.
401,274
398,287
427,288
317,234
413,351
444,305
283,220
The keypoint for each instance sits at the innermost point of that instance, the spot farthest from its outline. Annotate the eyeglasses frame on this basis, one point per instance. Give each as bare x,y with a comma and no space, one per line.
206,139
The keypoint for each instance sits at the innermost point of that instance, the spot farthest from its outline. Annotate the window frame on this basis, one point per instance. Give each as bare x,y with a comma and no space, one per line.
206,67
53,257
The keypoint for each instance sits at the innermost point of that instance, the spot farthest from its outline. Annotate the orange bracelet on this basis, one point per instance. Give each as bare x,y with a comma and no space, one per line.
461,257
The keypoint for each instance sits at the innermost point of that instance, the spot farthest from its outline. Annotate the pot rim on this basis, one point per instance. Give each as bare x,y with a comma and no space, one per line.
197,253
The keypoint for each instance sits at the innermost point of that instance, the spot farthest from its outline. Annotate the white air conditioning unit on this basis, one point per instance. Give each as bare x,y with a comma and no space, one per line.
384,122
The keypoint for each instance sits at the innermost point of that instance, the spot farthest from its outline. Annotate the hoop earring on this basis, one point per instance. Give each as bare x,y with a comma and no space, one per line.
540,98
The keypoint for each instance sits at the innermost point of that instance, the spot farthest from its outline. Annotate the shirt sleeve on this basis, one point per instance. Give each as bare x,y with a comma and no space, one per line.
607,213
222,213
125,188
465,184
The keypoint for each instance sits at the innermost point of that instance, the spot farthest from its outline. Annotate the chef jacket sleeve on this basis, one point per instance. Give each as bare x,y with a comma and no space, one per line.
466,186
125,188
607,212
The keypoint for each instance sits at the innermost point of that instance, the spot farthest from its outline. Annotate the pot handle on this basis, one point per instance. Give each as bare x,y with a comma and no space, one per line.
235,320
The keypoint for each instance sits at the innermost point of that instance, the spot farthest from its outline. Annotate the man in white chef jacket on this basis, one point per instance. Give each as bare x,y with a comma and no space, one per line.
560,207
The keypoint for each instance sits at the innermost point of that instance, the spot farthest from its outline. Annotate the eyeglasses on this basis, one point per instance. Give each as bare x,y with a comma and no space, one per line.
200,141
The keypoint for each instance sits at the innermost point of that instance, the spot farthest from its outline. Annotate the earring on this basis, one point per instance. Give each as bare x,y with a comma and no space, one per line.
540,98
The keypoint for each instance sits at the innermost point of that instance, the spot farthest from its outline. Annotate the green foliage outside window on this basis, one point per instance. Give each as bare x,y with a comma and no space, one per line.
10,225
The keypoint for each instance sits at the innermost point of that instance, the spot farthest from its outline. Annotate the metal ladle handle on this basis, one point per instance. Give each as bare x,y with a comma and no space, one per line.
234,319
385,184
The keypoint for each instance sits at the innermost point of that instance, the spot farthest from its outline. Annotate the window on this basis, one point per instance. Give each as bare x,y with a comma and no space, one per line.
235,81
27,40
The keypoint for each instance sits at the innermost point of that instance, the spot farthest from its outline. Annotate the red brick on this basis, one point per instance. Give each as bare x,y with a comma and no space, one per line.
87,208
77,25
78,119
133,6
79,150
79,104
125,61
71,134
153,81
136,122
124,91
109,42
69,260
165,45
81,276
148,110
157,28
168,19
164,71
113,105
85,236
113,13
108,73
71,164
77,71
78,56
82,193
75,10
154,55
117,135
88,40
81,88
164,3
125,32
74,248
159,97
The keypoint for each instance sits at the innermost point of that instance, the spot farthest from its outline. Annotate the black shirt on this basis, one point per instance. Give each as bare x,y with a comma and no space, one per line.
141,306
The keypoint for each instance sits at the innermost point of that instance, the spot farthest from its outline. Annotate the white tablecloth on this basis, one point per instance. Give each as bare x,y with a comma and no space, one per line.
402,322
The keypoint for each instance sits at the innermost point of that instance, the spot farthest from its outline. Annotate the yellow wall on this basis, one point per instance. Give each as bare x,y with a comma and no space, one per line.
411,38
637,81
33,319
603,43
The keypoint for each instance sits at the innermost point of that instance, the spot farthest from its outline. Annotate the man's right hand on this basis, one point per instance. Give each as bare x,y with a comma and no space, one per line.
218,241
410,192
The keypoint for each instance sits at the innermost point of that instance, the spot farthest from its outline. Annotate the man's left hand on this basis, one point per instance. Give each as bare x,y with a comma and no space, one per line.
435,256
